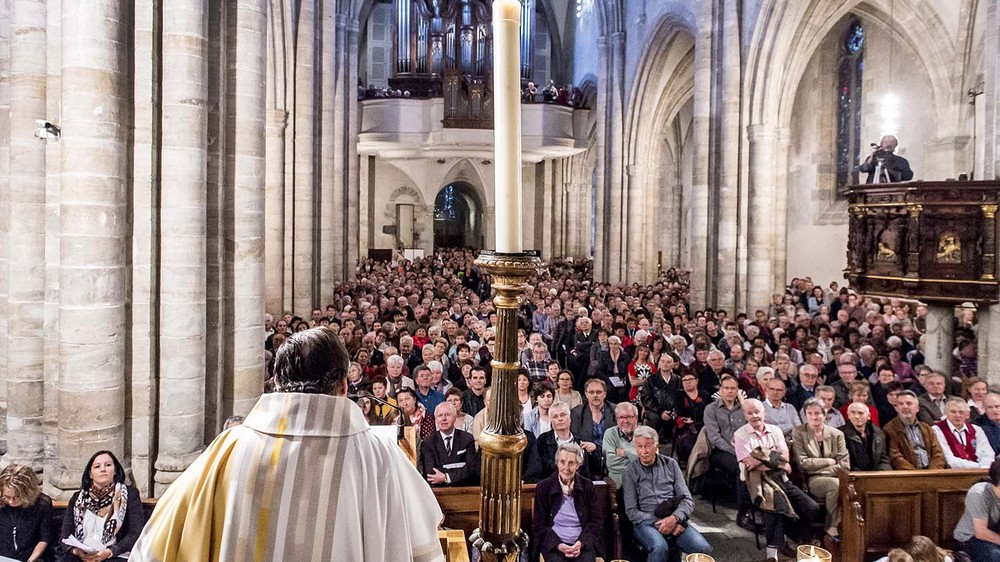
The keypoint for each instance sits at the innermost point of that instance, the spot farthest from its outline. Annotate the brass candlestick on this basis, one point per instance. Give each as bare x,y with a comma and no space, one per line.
499,537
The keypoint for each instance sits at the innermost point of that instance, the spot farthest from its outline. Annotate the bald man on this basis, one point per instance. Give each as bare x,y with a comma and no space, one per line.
893,168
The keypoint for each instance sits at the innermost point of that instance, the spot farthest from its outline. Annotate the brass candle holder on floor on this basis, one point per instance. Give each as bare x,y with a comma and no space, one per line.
499,537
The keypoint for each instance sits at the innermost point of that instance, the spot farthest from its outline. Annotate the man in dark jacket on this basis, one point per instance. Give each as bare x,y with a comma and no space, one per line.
590,420
657,396
577,535
541,460
865,442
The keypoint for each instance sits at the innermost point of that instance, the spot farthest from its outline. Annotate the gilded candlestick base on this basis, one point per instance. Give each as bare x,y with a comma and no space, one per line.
499,537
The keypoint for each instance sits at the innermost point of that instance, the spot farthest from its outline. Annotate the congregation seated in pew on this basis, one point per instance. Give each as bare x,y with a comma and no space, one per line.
822,343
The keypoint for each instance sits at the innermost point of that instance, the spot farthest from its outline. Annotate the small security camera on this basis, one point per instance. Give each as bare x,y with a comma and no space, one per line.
46,130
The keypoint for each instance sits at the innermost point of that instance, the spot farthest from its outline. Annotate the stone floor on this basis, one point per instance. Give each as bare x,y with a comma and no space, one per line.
731,543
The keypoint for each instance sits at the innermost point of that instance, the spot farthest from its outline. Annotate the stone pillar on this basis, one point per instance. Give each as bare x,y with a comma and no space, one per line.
546,213
4,206
698,207
730,262
558,207
26,293
145,246
781,208
601,246
183,250
353,182
760,228
618,219
274,211
634,248
991,166
247,121
304,191
329,225
94,225
338,190
939,339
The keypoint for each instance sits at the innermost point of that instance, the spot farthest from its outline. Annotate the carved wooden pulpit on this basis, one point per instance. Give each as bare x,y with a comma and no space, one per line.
930,241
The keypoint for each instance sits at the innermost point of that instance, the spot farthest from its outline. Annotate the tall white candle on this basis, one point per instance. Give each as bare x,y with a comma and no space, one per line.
507,123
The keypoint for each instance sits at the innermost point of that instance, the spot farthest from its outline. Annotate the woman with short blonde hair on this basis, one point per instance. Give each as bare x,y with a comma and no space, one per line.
25,515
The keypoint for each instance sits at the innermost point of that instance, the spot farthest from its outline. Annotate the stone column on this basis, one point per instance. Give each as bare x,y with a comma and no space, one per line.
939,339
618,218
991,98
247,121
183,250
353,183
274,215
4,206
634,247
730,265
93,245
699,238
329,224
145,245
558,209
304,191
760,228
338,127
547,210
601,246
25,333
781,208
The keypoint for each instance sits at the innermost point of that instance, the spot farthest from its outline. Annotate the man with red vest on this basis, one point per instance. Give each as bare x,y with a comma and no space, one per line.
965,445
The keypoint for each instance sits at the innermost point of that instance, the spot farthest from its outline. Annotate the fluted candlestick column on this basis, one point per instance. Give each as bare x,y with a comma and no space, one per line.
499,536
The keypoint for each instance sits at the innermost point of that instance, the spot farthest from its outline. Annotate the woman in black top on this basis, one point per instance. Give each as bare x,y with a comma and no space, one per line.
25,516
690,403
104,511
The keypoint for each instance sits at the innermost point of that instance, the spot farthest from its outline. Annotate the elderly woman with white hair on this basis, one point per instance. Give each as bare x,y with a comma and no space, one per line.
567,523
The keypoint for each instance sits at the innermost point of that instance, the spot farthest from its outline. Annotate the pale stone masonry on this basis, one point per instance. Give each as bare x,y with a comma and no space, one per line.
215,162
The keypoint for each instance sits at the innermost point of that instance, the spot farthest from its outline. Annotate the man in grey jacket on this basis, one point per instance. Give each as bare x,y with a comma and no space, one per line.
657,500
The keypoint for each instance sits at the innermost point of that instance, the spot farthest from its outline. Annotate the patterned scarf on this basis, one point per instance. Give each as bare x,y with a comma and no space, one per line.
94,500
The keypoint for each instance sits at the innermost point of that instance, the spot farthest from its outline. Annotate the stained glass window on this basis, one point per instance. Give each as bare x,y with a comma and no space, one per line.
849,72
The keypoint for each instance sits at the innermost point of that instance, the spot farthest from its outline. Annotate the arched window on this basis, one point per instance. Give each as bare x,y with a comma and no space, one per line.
849,71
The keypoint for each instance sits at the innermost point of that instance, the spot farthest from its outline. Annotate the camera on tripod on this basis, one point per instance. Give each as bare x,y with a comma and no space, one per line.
879,153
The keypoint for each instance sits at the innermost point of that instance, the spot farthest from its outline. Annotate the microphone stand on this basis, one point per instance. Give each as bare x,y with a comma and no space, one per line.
399,417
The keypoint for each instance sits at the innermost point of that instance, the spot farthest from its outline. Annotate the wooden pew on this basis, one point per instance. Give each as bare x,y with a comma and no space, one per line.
461,511
883,510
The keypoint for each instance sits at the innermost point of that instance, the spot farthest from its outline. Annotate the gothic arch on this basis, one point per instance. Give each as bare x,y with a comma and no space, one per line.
663,84
466,171
799,27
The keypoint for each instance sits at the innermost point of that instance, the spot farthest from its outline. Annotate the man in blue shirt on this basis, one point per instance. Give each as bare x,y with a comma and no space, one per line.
426,394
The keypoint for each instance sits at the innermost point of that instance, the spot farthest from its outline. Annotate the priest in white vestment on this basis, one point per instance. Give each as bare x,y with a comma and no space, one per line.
302,479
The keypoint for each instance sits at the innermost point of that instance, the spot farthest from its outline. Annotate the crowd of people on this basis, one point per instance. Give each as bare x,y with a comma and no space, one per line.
774,399
621,382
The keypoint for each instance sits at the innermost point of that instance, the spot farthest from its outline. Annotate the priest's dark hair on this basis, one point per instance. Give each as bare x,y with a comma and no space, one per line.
312,361
86,482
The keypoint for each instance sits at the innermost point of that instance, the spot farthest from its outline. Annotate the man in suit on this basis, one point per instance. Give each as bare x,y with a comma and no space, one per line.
932,403
449,456
865,442
579,359
912,445
542,461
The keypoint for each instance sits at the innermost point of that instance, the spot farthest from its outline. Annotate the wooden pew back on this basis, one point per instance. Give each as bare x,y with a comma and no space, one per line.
461,511
883,510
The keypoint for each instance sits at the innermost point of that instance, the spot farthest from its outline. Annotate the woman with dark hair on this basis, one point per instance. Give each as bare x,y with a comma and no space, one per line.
105,514
25,516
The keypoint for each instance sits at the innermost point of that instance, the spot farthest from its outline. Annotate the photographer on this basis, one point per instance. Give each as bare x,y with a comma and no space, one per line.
895,168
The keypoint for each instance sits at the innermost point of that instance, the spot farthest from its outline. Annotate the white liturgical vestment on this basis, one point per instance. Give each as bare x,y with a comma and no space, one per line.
304,478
